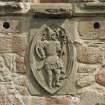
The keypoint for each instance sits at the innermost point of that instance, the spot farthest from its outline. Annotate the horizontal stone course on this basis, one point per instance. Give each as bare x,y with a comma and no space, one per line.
13,44
89,55
92,98
86,68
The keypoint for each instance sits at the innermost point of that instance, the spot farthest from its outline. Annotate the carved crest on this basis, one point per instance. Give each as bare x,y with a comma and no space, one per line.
51,56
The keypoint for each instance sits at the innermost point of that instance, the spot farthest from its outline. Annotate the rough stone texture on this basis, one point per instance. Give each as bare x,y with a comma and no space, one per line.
91,98
54,1
14,26
9,7
86,0
100,77
50,1
13,0
11,82
90,31
20,64
35,1
6,99
85,81
89,55
86,68
55,101
13,44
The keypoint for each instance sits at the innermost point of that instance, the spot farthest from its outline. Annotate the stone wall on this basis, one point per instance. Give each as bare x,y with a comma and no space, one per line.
89,41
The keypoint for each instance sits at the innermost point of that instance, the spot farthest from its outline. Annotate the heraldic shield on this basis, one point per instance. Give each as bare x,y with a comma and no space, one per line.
51,58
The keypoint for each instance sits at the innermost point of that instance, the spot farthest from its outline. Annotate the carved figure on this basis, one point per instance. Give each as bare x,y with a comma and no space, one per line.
50,49
51,59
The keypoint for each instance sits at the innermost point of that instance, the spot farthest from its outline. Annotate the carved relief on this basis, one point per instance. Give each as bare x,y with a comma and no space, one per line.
49,49
51,58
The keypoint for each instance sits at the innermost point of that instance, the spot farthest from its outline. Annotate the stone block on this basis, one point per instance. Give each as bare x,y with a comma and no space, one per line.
83,1
100,77
93,30
9,26
20,64
85,81
56,100
86,68
13,44
54,1
92,98
35,1
89,55
6,99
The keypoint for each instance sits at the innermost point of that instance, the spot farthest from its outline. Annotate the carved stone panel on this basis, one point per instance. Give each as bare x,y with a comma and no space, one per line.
51,58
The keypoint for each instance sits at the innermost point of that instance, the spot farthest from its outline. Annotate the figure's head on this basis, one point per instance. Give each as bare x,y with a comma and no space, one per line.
44,35
53,35
49,34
